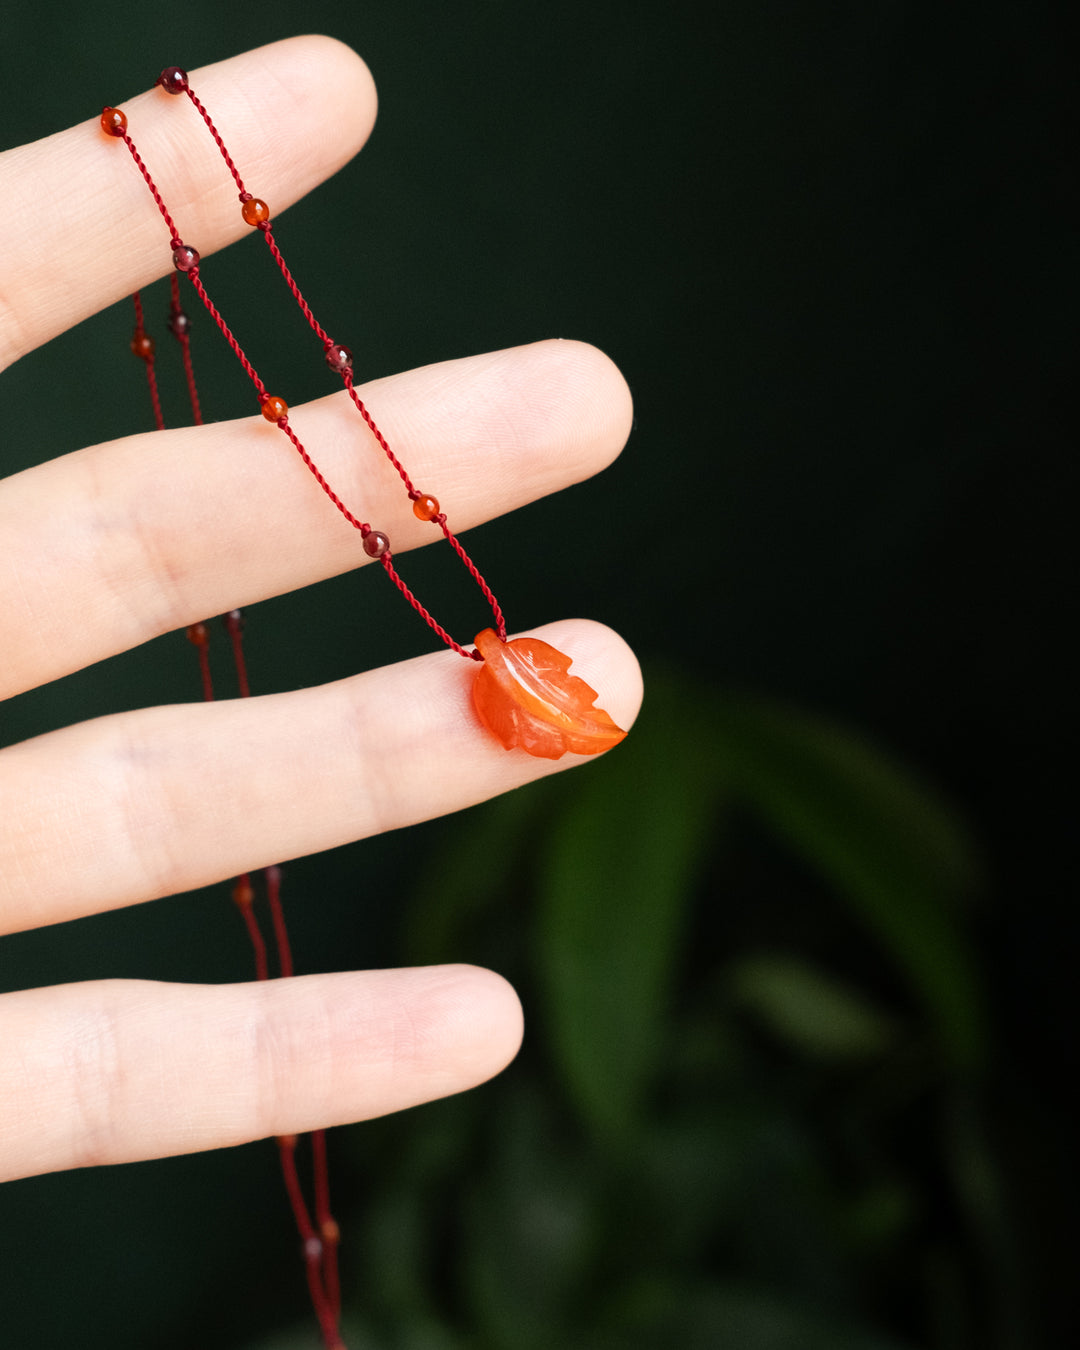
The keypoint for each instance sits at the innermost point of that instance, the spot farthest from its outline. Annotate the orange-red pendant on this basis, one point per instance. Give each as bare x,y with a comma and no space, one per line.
524,695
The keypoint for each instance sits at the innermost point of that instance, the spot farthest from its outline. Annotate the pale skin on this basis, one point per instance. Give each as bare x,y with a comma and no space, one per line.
112,545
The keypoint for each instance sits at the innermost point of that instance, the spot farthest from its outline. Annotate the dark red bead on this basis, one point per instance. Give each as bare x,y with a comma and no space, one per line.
113,121
173,80
338,358
185,258
178,323
197,634
375,543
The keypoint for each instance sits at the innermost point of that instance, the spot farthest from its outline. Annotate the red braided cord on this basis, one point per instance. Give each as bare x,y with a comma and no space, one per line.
320,1248
243,897
277,917
327,1224
313,1245
147,357
346,375
174,235
305,308
474,572
226,332
361,525
214,132
428,618
184,338
362,410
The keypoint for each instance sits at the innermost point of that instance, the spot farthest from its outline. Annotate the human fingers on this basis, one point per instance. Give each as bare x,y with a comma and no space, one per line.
111,546
149,803
115,1071
78,228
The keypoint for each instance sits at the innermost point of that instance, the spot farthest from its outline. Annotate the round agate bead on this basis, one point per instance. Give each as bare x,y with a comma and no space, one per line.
113,121
185,258
274,408
338,358
375,543
255,211
173,80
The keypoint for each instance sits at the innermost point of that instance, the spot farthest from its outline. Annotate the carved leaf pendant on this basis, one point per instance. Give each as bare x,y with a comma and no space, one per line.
524,695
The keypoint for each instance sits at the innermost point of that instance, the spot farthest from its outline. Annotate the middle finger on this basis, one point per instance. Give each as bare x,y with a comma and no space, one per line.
144,804
111,546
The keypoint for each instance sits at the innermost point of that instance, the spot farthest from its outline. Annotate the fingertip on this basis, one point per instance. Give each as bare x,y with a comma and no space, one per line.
322,82
605,660
484,1021
609,396
589,395
292,113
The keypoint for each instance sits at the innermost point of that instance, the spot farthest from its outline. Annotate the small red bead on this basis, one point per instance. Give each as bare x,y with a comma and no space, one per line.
185,258
243,894
274,408
255,211
142,344
113,121
425,508
375,543
197,634
338,358
178,323
173,80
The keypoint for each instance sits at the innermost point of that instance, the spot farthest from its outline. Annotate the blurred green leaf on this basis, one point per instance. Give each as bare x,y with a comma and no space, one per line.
530,1229
888,843
880,1214
807,1009
422,1158
712,1316
475,868
614,883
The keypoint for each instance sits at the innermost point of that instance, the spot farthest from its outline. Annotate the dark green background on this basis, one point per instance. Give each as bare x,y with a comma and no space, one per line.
834,250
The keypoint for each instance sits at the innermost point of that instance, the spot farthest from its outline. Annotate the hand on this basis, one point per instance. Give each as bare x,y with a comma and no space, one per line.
112,545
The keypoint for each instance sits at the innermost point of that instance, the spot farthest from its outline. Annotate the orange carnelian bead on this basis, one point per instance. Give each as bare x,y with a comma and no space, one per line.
274,408
243,894
426,508
255,211
142,344
197,634
113,121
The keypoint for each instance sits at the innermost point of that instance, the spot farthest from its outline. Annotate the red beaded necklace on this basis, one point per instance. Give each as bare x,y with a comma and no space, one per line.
522,692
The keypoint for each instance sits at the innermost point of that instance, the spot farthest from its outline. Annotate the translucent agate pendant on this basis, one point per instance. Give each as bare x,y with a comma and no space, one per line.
524,696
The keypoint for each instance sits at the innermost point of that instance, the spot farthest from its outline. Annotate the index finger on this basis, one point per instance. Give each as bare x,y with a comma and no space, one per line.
78,228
